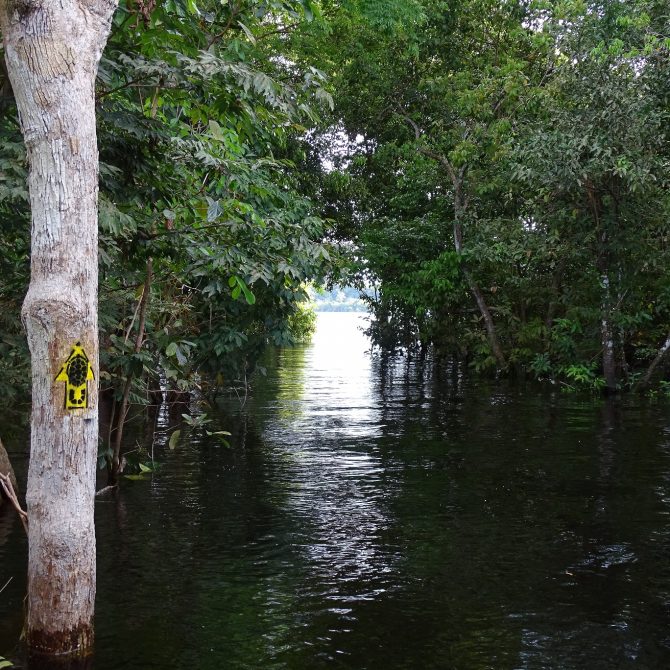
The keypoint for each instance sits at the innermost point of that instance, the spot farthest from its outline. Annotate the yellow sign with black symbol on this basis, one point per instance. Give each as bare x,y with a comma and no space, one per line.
76,373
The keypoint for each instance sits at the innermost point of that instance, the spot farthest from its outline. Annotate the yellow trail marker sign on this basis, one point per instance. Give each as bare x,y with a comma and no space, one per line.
76,372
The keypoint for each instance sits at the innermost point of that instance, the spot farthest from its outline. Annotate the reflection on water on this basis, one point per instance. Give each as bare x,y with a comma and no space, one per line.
320,418
326,385
376,513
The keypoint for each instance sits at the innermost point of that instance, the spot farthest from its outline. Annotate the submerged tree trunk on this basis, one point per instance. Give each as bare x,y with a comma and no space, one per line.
460,206
489,324
607,335
602,219
52,50
114,463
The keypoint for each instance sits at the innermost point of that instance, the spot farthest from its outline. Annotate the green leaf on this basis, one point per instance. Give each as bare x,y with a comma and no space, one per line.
192,7
247,32
308,8
144,468
250,297
174,439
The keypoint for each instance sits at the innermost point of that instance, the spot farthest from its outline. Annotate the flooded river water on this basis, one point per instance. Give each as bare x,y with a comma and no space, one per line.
384,514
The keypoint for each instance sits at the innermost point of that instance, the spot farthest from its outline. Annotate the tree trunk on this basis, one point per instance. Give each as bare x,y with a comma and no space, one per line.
646,380
460,205
554,296
52,50
489,324
113,467
603,264
607,335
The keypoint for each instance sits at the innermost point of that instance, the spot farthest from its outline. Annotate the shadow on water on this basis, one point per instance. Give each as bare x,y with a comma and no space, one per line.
387,513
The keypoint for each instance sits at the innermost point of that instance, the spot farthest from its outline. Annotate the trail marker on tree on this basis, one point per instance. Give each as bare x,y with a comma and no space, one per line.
52,49
76,372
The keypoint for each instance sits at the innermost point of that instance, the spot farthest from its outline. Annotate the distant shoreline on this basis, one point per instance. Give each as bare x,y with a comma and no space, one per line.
353,309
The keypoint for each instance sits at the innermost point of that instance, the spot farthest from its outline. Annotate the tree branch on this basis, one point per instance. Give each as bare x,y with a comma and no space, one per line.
442,160
234,11
643,384
8,488
144,301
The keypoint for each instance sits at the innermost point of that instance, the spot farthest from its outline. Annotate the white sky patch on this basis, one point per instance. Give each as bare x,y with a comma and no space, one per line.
337,147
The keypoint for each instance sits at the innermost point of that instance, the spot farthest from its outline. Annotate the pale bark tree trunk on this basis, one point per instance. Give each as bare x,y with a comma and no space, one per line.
646,379
489,324
606,307
460,206
603,263
52,50
607,334
6,469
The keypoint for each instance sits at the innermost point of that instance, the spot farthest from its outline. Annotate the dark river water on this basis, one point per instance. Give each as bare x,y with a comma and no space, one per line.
372,514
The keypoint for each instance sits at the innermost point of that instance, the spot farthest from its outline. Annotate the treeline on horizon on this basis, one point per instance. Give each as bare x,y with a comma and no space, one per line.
493,174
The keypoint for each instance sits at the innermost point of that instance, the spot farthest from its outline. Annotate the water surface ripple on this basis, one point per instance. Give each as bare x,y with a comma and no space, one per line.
388,514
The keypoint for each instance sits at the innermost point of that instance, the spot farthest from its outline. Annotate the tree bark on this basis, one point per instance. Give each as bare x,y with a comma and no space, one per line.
460,205
607,335
602,221
646,380
489,324
52,51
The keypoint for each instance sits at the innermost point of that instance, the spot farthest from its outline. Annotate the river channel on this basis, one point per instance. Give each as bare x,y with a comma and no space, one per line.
376,514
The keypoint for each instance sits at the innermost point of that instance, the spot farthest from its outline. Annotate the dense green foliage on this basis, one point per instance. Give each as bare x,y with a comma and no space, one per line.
503,171
200,117
495,173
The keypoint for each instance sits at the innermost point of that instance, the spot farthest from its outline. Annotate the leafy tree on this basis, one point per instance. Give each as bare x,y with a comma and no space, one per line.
440,96
463,178
206,244
595,159
201,119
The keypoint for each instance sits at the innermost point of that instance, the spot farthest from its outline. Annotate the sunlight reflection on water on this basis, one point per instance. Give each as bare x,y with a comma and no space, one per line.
338,499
